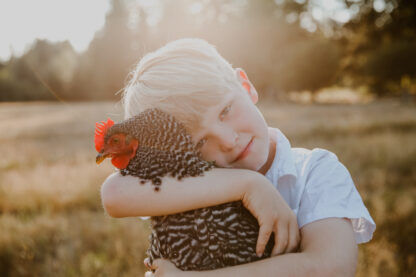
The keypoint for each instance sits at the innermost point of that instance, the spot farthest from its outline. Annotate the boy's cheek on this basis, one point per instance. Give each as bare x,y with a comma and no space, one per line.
208,154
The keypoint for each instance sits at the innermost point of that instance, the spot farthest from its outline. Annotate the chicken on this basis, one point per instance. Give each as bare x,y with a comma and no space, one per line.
154,144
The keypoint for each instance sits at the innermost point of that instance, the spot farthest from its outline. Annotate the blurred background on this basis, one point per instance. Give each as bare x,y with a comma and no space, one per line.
334,74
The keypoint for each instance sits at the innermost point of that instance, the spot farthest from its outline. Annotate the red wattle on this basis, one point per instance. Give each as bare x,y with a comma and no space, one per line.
121,162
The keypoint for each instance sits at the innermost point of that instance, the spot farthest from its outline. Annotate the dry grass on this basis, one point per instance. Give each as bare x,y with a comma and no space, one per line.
52,222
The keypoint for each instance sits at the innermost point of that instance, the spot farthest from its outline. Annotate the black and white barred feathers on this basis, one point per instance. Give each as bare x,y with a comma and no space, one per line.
201,239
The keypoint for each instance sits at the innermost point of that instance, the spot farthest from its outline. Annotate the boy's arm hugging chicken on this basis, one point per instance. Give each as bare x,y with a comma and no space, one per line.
152,145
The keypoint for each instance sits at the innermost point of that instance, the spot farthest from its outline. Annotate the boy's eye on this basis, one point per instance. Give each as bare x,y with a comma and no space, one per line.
201,143
225,111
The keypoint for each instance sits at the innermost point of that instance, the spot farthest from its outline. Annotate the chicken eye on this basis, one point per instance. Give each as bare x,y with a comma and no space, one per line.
116,140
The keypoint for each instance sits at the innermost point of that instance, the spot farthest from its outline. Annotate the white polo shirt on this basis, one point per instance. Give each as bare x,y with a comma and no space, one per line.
316,186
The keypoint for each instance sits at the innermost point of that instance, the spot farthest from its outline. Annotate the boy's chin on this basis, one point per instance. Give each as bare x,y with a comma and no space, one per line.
255,166
260,167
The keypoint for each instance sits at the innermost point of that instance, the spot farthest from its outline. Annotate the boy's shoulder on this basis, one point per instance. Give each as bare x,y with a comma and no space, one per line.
311,158
319,167
300,160
319,187
301,169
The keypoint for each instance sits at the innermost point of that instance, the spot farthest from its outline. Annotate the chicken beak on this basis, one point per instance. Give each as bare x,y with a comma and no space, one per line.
101,157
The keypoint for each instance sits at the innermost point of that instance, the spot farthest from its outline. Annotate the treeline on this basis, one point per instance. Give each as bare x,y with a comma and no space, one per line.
376,50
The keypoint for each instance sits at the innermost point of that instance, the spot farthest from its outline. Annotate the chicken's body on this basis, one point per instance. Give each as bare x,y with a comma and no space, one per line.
201,239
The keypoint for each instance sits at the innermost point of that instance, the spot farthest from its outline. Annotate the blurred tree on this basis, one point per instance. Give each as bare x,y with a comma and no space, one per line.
43,73
278,56
389,64
290,59
103,68
282,44
385,41
385,19
382,46
13,89
309,65
377,41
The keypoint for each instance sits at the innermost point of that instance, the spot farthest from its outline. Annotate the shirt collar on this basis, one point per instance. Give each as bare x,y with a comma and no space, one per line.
283,164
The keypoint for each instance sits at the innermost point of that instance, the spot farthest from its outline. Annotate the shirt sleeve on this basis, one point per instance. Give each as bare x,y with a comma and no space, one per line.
330,192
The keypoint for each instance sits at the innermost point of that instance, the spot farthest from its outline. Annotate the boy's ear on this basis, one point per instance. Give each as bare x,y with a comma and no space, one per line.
247,85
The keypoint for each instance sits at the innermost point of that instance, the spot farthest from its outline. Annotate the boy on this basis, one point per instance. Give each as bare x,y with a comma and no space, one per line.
307,188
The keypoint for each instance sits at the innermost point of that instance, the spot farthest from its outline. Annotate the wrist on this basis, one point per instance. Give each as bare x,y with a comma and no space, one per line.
253,181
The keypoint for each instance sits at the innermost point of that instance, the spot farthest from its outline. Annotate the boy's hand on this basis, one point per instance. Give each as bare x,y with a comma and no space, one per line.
273,216
162,267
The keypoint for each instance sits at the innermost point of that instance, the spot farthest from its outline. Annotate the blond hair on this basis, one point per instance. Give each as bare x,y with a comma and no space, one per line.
183,78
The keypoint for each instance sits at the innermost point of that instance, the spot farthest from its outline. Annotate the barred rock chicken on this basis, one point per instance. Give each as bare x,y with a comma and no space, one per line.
152,145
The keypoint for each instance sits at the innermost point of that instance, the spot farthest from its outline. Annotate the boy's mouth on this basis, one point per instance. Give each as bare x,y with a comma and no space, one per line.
245,151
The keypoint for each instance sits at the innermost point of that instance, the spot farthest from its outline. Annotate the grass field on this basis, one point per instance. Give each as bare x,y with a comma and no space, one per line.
52,222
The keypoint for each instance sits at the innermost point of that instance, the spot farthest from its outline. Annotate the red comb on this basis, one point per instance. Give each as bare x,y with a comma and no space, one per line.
100,131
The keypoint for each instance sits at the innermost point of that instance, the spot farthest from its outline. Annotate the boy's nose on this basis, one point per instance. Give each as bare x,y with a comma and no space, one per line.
228,141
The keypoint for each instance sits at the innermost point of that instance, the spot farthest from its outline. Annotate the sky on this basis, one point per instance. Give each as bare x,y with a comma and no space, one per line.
22,21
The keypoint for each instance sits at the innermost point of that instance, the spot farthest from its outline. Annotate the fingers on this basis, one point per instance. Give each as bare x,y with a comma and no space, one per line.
162,267
294,238
155,265
152,267
264,235
281,239
276,239
147,263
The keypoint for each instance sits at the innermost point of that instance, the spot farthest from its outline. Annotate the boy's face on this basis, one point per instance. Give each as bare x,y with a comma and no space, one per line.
234,132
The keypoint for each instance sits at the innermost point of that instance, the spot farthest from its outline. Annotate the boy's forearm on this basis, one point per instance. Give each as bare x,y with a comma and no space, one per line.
328,248
124,196
294,264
